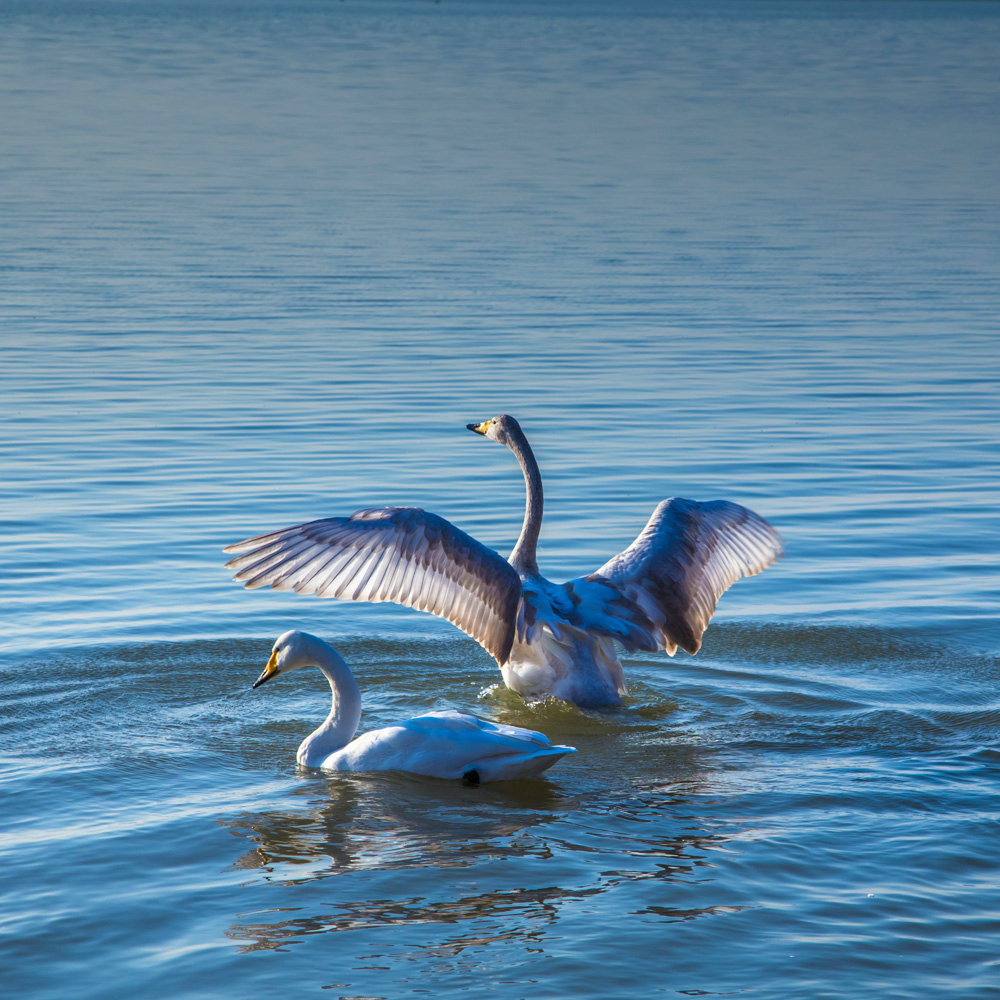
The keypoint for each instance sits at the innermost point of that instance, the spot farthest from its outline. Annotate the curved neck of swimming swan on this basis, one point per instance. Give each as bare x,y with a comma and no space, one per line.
341,724
523,556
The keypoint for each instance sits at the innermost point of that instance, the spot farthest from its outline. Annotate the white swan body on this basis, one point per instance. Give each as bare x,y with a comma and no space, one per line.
440,744
548,638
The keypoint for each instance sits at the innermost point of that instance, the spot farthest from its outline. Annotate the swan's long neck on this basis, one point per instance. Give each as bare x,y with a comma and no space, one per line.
341,724
523,557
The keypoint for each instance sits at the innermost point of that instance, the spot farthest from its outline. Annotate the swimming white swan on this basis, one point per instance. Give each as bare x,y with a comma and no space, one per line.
548,638
439,744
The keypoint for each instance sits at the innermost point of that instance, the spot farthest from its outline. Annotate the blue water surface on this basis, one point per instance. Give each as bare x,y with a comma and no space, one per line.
261,263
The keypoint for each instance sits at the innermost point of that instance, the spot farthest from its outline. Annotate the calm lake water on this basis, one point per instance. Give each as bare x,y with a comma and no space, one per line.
262,262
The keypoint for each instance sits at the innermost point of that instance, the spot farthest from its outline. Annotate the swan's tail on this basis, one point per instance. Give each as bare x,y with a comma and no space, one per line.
509,767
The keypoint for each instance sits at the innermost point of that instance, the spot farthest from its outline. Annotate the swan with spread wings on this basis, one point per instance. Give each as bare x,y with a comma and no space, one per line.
549,639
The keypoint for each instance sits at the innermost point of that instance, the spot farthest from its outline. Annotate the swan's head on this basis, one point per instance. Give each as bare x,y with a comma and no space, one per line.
290,651
500,429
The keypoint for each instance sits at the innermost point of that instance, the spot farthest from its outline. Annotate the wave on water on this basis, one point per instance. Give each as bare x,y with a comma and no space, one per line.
819,683
725,781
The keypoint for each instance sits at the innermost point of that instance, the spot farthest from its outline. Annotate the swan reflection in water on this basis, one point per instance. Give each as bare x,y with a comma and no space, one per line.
357,822
510,857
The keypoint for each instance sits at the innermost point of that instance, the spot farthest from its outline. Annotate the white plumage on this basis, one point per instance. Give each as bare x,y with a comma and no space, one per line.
440,744
548,638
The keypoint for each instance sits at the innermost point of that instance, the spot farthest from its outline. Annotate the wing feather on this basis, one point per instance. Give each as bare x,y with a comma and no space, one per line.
273,559
378,570
400,554
319,569
674,573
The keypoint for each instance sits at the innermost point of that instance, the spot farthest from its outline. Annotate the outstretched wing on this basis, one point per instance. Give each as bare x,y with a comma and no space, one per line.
400,554
661,592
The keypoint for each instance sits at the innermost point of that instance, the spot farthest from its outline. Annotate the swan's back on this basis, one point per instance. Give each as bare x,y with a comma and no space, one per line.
450,745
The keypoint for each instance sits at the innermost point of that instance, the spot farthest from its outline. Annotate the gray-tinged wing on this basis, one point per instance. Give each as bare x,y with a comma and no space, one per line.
400,554
661,592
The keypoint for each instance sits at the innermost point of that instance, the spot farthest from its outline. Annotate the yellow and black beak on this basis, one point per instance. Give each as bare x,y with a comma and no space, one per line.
271,670
480,428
